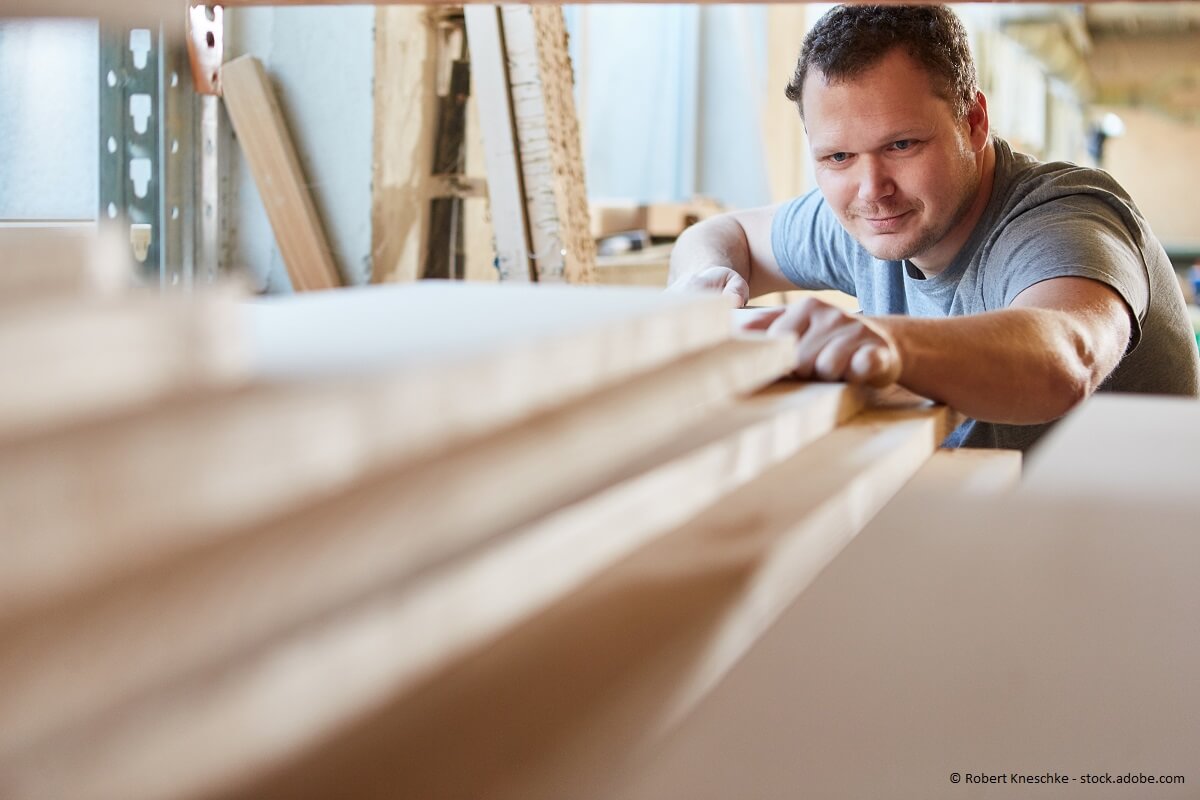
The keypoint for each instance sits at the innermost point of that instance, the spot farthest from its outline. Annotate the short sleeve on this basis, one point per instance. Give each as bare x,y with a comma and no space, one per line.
811,247
1072,236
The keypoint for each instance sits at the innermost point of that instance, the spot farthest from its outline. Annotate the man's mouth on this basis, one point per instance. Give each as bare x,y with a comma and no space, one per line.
886,224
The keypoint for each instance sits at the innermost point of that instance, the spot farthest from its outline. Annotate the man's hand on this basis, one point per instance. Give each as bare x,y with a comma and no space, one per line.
833,345
725,280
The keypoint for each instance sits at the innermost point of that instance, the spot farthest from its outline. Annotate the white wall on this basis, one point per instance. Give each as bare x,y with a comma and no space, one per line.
321,61
1158,163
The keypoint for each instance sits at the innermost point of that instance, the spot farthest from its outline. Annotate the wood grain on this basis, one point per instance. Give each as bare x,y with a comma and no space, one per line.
264,139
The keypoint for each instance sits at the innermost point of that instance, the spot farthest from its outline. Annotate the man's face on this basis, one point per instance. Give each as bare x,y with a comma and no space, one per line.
893,162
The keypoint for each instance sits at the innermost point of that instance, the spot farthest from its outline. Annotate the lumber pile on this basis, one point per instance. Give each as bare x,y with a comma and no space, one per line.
429,540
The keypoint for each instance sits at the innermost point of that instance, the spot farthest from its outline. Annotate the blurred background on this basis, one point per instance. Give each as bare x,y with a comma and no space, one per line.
681,110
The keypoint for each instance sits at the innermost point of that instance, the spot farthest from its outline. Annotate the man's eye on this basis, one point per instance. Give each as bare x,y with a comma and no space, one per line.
839,158
903,144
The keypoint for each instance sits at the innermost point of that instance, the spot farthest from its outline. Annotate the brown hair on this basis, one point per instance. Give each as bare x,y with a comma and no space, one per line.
848,40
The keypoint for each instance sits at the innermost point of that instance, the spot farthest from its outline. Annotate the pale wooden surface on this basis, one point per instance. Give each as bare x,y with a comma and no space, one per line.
501,155
41,261
968,471
534,334
319,555
393,640
405,126
66,360
1121,445
964,636
564,167
571,695
263,137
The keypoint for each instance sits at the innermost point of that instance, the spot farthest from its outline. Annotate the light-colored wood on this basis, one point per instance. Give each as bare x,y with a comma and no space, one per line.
785,146
263,136
390,643
259,455
506,195
574,338
479,237
429,352
565,156
1157,440
571,695
971,636
523,78
968,471
68,361
246,588
38,261
405,125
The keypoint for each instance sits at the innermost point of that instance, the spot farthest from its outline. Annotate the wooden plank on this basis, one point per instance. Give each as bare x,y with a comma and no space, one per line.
52,260
405,120
440,617
261,451
506,193
524,81
560,171
1158,439
572,338
244,589
564,699
75,360
271,155
967,471
785,145
480,236
260,455
970,636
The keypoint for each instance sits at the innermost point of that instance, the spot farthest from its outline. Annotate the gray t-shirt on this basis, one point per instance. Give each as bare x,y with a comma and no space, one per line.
1042,221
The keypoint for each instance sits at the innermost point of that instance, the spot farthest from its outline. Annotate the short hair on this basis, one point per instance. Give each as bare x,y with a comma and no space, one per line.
848,40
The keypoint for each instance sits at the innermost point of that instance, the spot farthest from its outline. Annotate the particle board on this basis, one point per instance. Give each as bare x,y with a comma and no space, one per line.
964,637
264,139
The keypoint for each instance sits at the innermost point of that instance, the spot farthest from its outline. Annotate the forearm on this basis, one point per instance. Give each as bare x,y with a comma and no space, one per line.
715,241
1018,366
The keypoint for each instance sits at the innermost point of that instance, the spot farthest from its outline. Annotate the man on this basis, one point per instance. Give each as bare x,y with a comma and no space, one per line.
1008,289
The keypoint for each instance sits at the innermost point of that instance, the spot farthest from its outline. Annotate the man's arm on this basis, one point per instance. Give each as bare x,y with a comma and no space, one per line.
1027,364
729,253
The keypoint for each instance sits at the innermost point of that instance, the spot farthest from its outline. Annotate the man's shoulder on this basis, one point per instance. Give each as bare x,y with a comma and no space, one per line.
1030,181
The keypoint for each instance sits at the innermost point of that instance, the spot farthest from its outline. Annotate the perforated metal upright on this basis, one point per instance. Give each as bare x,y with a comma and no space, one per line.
147,182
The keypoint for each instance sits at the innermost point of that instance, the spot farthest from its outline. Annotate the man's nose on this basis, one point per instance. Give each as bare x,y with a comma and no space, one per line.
874,180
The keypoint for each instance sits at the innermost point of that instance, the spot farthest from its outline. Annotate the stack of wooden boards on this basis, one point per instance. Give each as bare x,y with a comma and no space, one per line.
431,540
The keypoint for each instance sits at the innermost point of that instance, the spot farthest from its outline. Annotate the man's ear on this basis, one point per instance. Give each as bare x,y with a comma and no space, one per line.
977,122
